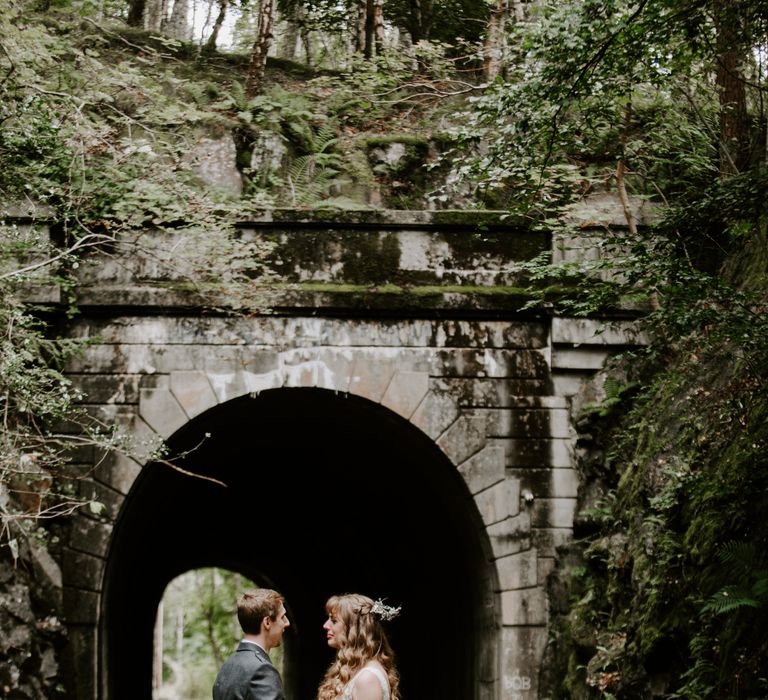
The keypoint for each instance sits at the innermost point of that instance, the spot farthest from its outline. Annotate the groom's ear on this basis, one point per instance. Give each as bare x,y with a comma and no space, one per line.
266,622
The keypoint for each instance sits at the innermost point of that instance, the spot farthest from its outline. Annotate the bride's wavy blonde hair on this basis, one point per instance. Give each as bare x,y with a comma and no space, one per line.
364,640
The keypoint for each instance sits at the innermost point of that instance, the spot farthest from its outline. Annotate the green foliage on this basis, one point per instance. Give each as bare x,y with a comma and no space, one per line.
589,83
687,457
42,424
401,87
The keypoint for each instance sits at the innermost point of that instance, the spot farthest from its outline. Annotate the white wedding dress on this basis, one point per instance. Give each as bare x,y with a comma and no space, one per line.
376,671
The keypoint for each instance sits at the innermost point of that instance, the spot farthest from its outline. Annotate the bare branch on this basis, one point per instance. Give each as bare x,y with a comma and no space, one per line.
89,241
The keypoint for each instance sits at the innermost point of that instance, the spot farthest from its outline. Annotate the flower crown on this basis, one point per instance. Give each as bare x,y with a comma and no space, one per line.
385,612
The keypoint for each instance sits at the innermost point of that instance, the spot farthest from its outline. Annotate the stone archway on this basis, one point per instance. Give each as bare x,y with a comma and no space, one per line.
476,396
377,506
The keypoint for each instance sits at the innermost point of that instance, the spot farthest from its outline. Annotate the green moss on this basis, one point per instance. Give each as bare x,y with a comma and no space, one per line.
477,218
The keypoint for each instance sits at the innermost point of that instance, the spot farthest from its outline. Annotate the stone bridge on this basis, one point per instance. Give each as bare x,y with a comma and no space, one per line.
394,424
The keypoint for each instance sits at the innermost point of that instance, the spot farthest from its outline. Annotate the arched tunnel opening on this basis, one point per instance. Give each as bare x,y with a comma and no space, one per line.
323,493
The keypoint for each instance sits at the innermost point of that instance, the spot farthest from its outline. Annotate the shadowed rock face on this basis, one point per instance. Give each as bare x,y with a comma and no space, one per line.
31,630
311,478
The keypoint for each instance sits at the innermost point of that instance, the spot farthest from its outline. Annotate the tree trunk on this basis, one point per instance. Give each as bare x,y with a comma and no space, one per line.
210,45
734,125
378,26
178,25
136,12
362,18
621,169
518,10
290,40
306,42
417,22
493,48
154,13
369,29
209,618
258,65
157,676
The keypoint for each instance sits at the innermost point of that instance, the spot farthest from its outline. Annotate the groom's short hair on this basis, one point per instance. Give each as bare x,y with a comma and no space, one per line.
254,605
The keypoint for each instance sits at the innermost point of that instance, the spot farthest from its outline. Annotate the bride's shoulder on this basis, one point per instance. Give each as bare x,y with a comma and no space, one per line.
371,683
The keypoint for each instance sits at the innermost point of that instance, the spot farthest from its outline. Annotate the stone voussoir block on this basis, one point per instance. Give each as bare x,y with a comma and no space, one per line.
371,377
116,470
81,570
499,502
110,500
463,438
483,469
228,386
323,368
161,411
437,411
405,392
193,390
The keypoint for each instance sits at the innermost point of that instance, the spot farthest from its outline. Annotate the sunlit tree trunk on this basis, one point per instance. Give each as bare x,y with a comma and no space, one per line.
378,25
157,679
371,24
210,45
621,170
518,10
210,613
261,46
154,13
734,124
493,48
178,26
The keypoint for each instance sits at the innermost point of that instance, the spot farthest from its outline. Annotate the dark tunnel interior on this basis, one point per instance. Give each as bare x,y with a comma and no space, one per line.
325,493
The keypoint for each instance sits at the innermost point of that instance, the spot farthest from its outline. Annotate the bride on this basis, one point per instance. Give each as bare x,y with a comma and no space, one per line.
364,667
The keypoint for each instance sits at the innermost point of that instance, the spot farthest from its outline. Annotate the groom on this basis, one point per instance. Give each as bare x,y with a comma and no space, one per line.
249,674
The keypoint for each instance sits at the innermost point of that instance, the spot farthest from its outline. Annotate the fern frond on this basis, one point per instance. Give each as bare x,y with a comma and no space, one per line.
739,552
729,599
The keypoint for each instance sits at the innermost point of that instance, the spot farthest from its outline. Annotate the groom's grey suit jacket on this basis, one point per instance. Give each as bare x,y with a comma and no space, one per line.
248,675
